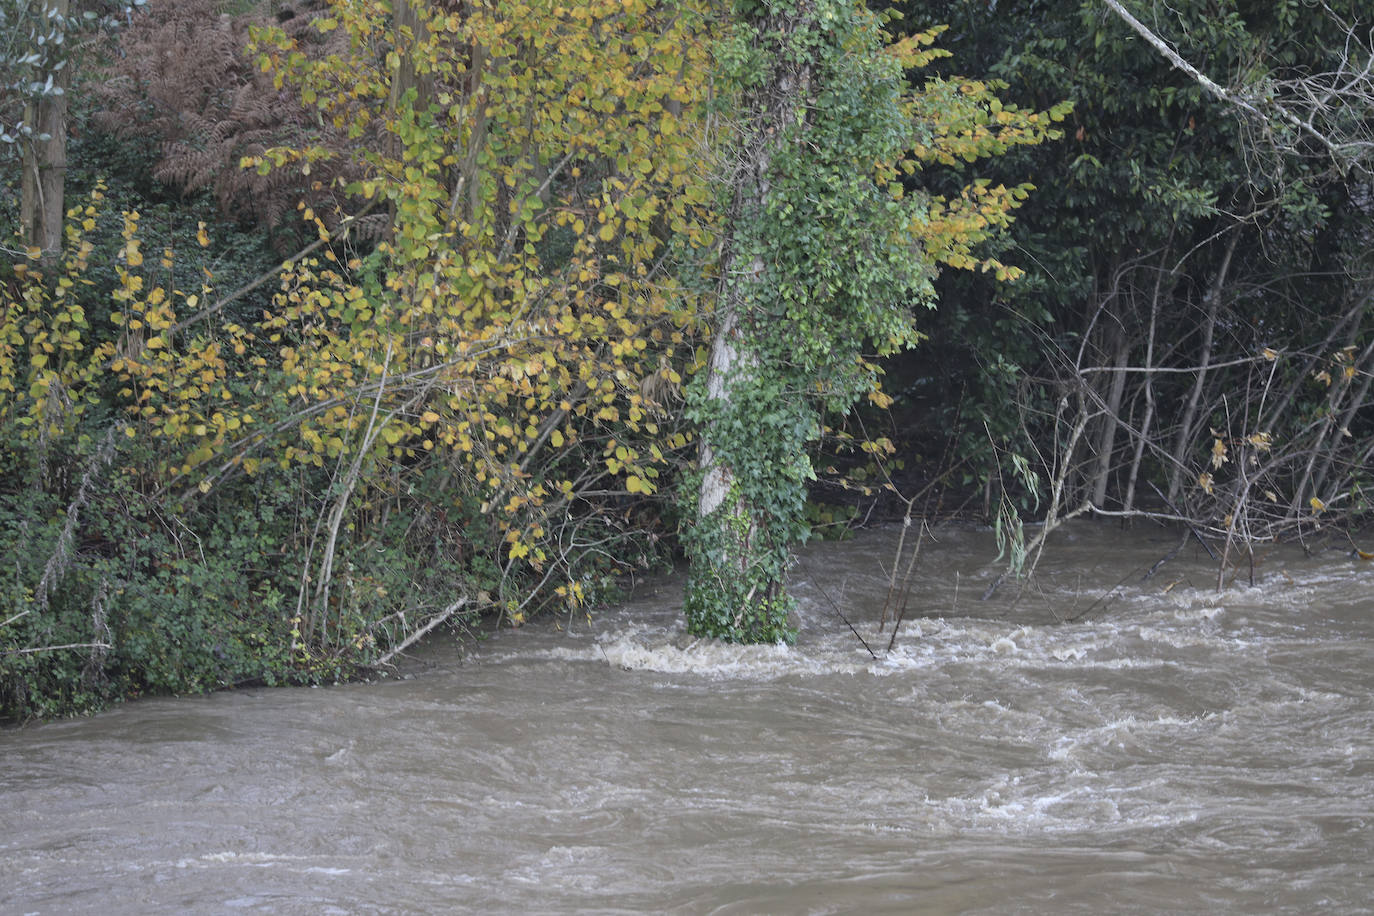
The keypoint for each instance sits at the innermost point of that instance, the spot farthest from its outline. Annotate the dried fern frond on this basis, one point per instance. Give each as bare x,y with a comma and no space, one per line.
183,78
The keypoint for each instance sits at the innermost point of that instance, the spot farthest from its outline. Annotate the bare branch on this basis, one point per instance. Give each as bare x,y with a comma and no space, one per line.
74,645
1323,97
415,637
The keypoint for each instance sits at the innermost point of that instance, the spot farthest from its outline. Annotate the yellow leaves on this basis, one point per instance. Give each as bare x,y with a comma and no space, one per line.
1317,505
1270,354
571,593
1219,456
515,281
880,399
1205,481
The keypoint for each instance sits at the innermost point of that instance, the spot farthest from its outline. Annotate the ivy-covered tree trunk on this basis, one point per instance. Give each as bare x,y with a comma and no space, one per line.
752,464
825,252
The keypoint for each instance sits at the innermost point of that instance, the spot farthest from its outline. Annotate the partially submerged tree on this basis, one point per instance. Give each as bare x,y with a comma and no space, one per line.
829,247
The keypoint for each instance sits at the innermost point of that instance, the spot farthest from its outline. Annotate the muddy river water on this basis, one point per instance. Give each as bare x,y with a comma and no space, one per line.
1174,749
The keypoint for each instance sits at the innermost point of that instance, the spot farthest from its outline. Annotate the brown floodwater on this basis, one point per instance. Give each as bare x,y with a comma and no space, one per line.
1173,749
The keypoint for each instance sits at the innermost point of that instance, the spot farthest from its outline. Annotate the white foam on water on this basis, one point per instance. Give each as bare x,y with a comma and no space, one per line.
239,858
1174,621
245,859
711,658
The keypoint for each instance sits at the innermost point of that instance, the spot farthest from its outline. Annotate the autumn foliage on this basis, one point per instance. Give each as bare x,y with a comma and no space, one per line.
479,408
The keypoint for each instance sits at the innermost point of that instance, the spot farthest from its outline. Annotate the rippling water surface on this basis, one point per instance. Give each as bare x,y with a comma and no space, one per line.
1172,749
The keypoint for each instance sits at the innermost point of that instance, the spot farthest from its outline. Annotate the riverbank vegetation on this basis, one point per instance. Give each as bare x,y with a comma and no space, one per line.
1192,340
327,324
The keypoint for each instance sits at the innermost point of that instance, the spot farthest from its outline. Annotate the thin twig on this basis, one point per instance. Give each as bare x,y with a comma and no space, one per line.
1205,546
219,305
1224,94
820,588
906,585
1105,595
16,617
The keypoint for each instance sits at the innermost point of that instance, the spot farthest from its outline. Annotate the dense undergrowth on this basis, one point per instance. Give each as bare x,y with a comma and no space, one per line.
371,319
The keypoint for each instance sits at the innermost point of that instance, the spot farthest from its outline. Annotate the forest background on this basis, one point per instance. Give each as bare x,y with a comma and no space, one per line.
354,320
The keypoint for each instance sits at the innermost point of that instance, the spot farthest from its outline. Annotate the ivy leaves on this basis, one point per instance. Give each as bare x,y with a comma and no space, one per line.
832,244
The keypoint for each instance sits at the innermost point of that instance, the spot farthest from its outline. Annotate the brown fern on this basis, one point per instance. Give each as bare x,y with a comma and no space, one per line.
183,78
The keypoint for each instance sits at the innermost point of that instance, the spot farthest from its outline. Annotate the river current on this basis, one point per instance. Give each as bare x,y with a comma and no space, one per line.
1089,743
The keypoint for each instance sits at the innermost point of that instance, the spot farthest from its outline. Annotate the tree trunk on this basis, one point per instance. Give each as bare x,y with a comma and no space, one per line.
41,206
1147,423
738,561
1106,443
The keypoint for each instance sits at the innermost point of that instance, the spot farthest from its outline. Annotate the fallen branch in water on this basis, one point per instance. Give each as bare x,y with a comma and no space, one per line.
419,634
1174,509
1100,601
1037,544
